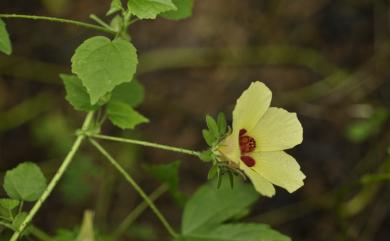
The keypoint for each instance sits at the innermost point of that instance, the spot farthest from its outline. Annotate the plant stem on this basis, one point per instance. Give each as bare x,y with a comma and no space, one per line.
99,21
57,176
145,143
131,181
59,20
137,211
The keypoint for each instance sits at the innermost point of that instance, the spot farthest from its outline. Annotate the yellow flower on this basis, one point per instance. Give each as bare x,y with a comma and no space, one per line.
259,135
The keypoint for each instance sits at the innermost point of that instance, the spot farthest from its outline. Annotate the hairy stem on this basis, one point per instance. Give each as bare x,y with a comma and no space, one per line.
146,143
137,211
59,20
57,176
131,181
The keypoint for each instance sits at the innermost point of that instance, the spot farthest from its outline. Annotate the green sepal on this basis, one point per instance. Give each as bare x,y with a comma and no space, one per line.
208,137
212,172
221,121
212,125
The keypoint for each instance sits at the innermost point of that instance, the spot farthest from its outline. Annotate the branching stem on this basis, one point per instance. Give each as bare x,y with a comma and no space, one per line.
60,20
57,176
145,143
137,188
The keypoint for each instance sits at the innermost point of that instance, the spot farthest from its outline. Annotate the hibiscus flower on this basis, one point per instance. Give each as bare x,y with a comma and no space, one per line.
259,136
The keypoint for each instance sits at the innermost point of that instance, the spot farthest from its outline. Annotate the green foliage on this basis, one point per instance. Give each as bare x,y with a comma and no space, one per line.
237,232
64,235
116,5
149,9
361,130
166,173
169,174
102,64
209,208
25,182
5,43
87,232
8,203
124,116
378,177
216,130
184,10
75,186
76,93
130,93
18,220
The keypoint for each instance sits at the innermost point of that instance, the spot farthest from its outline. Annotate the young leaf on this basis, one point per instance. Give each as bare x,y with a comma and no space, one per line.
184,10
212,125
130,93
5,43
237,232
124,116
8,203
149,9
208,137
25,182
86,230
210,206
102,64
76,93
221,121
116,5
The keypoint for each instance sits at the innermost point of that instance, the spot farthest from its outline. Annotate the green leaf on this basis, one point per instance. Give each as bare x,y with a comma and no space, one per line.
102,64
237,232
5,43
116,5
166,173
124,116
221,122
18,220
8,203
25,182
130,93
149,9
76,93
212,125
184,10
208,137
209,206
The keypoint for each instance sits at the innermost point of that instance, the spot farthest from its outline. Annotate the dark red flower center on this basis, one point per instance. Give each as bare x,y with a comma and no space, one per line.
247,145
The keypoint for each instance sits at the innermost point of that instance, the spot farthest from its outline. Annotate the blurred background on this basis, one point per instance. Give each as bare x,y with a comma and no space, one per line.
326,60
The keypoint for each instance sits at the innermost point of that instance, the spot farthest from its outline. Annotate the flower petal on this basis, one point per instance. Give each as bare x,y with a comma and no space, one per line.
280,169
251,106
277,130
230,148
262,185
